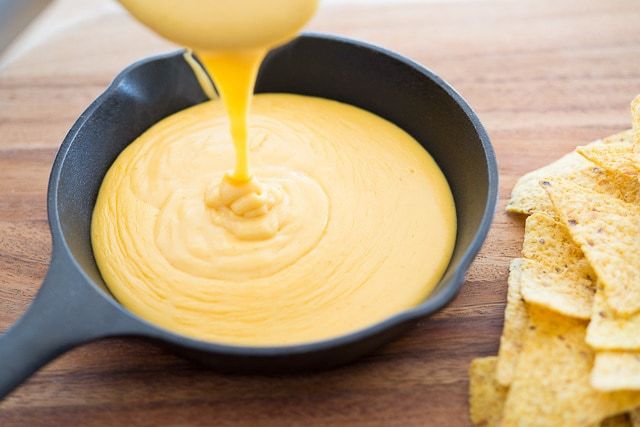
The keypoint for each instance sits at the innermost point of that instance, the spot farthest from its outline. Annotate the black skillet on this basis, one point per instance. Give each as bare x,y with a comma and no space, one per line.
73,305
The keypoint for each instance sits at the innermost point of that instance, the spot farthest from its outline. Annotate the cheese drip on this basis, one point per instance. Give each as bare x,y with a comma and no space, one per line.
231,38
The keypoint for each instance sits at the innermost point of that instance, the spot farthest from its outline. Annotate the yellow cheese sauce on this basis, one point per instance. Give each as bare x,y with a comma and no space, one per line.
340,220
364,225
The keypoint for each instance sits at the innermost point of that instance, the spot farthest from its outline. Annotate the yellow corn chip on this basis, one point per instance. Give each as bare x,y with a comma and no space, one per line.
527,196
607,229
620,420
615,370
590,176
515,324
608,331
555,273
621,186
551,385
614,153
486,396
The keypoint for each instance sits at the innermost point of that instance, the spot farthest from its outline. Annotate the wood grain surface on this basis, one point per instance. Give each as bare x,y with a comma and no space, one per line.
543,76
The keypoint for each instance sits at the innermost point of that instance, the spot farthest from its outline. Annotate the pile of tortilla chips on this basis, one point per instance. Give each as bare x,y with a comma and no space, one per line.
570,350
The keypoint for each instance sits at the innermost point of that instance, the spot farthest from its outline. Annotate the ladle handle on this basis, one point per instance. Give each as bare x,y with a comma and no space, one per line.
66,312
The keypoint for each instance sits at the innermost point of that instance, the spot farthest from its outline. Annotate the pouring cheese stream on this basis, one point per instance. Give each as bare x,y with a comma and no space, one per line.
342,219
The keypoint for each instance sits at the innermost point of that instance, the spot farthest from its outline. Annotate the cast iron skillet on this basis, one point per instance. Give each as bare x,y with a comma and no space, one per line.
73,305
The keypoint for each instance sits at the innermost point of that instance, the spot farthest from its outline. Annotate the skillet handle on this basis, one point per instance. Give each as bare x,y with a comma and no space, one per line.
66,312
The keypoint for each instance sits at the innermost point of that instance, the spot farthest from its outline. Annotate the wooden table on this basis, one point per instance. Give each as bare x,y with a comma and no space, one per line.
544,76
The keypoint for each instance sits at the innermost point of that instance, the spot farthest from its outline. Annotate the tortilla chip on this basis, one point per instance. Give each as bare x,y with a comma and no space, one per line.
486,396
609,331
607,229
515,324
613,371
551,385
555,275
527,197
620,420
623,187
594,178
614,153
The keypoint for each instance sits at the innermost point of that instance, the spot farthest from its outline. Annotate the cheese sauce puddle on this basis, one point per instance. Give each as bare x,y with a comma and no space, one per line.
341,221
367,225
